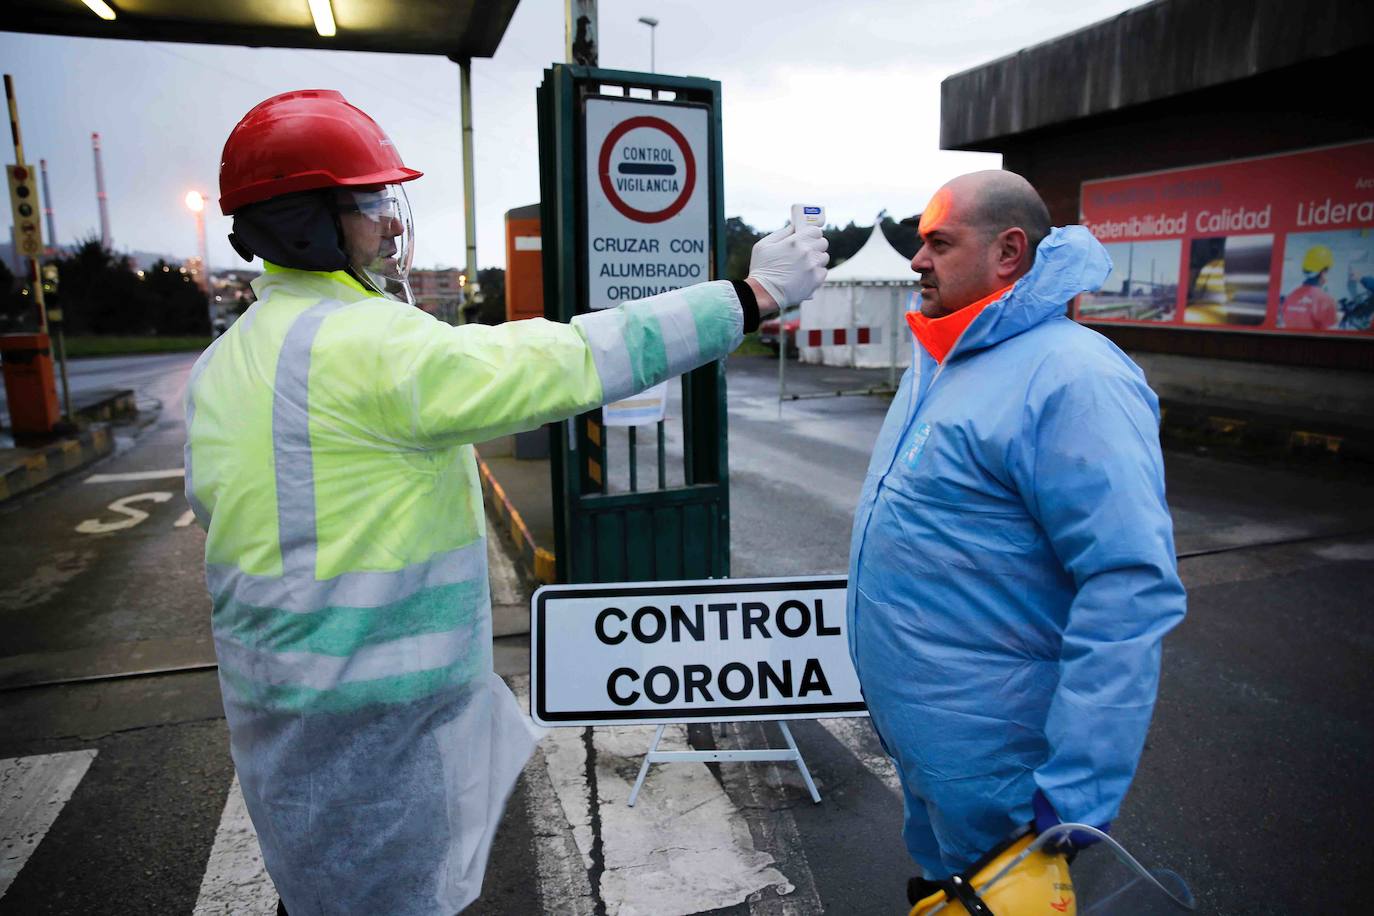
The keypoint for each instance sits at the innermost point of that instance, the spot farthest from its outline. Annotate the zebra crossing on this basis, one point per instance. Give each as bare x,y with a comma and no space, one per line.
699,839
33,791
236,880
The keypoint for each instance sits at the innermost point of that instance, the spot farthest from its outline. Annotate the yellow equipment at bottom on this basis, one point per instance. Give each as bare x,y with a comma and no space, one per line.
1038,884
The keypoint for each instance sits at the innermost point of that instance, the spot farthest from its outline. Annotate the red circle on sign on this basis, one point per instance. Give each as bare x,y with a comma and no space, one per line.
604,170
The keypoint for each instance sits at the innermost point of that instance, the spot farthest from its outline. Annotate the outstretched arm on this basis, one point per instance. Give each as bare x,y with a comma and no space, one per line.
471,383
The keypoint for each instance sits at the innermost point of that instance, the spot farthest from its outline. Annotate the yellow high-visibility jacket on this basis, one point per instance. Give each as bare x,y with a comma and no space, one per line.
329,456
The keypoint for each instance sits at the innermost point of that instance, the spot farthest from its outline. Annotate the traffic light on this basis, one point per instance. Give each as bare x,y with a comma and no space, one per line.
27,212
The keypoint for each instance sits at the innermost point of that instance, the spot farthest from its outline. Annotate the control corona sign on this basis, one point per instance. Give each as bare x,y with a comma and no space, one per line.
721,650
648,198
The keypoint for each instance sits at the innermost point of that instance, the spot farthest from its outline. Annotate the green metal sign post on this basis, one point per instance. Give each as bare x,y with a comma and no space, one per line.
607,527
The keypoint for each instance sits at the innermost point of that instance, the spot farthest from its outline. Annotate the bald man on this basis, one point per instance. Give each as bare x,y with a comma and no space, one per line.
1012,568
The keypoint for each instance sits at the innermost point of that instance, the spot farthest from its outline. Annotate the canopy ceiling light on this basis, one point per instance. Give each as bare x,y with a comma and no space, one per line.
100,8
323,14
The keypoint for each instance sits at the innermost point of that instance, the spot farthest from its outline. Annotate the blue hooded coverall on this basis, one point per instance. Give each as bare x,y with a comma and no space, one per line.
1012,569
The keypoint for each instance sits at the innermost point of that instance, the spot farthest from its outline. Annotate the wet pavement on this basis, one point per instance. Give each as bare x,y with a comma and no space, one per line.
1253,784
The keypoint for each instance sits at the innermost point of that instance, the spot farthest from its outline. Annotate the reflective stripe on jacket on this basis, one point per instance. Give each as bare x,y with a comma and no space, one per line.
329,456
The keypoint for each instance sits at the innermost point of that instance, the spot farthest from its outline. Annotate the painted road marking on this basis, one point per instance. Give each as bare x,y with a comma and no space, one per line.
123,507
137,475
34,791
859,739
763,790
563,883
684,848
236,880
186,519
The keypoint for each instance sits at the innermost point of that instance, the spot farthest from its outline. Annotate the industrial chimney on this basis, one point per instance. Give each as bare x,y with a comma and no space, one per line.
100,195
47,206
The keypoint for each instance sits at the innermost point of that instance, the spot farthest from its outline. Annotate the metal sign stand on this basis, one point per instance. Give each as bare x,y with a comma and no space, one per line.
762,755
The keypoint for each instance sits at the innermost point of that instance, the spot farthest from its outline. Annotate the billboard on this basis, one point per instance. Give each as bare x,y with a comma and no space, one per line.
1277,244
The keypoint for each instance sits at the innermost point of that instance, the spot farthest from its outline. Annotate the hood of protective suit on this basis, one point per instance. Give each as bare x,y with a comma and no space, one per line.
1012,569
1068,261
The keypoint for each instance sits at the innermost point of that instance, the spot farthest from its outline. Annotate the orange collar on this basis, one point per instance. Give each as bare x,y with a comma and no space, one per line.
938,335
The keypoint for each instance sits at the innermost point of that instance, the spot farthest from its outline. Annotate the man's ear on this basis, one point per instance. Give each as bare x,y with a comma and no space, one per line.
1013,253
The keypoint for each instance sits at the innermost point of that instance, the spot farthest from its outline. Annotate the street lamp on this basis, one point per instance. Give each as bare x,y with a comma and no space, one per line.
652,23
195,202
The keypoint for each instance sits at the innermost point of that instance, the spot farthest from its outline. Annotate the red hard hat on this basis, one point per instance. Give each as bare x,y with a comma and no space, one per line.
300,141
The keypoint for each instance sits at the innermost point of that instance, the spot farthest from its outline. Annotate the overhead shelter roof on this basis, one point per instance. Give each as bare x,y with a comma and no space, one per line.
876,262
452,28
1152,52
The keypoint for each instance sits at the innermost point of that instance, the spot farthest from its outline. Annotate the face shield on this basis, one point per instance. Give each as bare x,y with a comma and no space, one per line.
379,238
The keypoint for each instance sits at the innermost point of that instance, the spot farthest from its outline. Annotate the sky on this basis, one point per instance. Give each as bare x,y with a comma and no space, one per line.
837,103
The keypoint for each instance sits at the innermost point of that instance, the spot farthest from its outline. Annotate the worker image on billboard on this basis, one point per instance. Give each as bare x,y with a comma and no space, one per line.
1143,284
1328,281
1228,280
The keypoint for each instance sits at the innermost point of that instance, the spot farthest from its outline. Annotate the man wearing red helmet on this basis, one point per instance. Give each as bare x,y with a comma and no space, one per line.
329,457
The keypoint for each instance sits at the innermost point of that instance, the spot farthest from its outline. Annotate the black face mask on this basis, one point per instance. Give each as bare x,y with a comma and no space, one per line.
301,231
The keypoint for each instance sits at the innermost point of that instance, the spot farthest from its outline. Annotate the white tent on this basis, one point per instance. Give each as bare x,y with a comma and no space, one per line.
857,317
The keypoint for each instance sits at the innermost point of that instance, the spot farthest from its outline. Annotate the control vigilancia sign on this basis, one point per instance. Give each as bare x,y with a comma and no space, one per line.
715,649
1277,244
648,198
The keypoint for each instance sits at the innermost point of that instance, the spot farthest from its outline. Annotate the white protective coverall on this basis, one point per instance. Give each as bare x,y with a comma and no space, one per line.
329,456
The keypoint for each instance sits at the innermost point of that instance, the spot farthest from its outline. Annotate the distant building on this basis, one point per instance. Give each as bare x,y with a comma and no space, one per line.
524,264
195,268
233,293
438,292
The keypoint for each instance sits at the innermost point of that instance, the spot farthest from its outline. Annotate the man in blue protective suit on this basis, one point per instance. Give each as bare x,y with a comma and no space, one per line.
1012,568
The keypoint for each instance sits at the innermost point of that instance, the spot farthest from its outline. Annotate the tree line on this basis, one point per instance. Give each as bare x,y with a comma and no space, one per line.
101,292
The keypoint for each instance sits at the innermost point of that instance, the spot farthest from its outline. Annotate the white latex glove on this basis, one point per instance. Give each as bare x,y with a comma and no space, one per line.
790,265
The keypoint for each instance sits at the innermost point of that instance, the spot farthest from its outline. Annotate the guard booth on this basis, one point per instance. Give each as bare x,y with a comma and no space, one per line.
631,205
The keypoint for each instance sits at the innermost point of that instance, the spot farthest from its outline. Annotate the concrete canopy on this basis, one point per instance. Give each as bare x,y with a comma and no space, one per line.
460,29
1153,52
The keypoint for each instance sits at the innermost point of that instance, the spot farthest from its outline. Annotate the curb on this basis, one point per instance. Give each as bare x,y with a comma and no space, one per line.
55,460
1254,433
538,562
116,406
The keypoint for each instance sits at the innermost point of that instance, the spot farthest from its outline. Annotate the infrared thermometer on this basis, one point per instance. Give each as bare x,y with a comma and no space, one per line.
807,215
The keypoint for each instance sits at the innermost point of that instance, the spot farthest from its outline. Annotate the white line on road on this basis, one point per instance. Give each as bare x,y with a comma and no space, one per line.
235,879
125,508
137,475
764,790
34,791
186,519
859,739
684,848
564,887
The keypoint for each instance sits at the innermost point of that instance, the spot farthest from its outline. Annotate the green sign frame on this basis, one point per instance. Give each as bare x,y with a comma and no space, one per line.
668,533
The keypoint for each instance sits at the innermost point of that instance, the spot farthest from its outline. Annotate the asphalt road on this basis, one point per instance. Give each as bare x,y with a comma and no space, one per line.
1253,785
149,376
